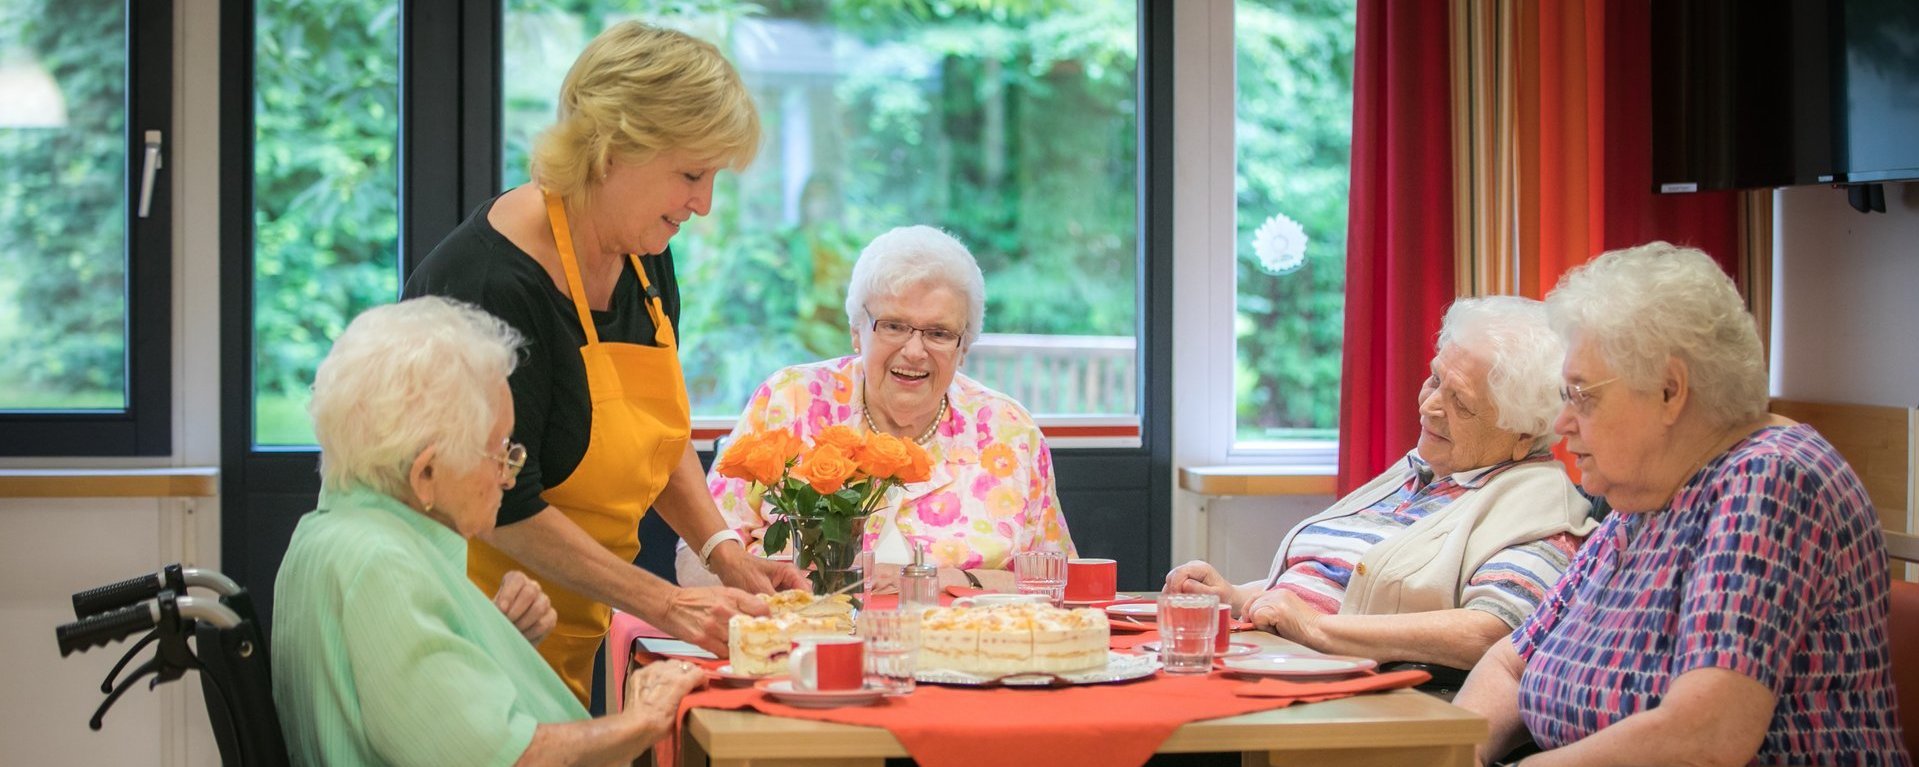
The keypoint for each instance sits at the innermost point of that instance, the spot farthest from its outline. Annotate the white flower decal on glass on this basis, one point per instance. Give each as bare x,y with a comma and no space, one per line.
1280,244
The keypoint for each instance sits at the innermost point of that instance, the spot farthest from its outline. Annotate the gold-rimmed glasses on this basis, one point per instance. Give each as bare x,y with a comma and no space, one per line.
1580,396
935,337
512,458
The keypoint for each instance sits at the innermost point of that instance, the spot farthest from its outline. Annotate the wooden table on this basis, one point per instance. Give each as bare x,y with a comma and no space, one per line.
1402,727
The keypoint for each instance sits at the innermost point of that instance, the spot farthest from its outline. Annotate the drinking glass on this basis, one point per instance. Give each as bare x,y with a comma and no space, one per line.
1041,572
1187,624
892,648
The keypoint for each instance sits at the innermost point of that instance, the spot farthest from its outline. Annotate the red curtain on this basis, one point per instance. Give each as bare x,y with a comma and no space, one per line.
1399,236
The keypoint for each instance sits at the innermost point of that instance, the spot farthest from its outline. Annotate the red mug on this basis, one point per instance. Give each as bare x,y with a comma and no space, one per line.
1091,580
827,662
1223,637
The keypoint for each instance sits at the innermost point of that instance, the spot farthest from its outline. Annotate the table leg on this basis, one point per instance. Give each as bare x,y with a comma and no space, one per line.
1437,756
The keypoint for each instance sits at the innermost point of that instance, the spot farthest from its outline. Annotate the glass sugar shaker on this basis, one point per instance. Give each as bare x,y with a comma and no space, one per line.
919,584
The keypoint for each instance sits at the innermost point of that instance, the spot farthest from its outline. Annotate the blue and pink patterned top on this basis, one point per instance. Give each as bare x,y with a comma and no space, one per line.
1769,563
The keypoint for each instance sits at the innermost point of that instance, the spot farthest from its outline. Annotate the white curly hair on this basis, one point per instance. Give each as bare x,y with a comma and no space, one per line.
1511,333
1647,304
405,377
914,256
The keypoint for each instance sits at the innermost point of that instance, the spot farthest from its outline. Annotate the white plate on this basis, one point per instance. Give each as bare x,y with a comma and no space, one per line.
1086,602
783,691
1298,666
1233,650
1119,668
1134,610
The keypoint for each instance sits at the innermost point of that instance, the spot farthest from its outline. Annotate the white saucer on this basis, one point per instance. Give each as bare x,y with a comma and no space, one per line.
1233,650
1298,666
725,673
1134,610
1086,602
782,690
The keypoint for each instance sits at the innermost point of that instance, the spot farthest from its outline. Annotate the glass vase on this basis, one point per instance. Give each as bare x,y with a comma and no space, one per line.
832,563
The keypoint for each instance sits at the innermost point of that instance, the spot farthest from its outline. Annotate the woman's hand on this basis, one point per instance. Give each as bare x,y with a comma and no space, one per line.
754,575
1198,577
1282,612
525,604
699,615
653,693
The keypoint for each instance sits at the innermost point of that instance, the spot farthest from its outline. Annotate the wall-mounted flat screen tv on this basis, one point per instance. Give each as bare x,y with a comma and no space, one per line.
1761,93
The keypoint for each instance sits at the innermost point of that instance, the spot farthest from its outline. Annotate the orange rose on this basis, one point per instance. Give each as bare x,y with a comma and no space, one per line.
846,438
784,444
826,468
732,463
759,457
920,465
884,455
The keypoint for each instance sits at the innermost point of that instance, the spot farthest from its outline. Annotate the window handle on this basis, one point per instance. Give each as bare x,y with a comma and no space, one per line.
147,167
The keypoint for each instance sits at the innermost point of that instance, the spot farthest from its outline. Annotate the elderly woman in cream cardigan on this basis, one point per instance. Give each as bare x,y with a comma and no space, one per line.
1447,551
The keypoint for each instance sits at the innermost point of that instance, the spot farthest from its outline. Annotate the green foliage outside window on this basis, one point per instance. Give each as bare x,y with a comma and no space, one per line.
1010,124
326,191
63,296
1294,134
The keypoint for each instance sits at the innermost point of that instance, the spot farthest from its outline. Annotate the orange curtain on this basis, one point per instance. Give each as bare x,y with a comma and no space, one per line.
1584,79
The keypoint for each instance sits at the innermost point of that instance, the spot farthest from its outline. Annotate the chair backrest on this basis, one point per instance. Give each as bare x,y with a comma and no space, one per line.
1902,633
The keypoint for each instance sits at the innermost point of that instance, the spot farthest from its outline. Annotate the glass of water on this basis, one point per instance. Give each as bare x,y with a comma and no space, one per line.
1187,623
1041,572
892,648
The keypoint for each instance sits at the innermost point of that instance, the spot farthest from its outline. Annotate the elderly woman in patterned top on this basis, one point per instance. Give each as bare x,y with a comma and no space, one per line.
1447,551
1733,611
916,303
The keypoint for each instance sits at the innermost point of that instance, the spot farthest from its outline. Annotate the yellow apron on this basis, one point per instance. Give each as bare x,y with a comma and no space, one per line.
640,426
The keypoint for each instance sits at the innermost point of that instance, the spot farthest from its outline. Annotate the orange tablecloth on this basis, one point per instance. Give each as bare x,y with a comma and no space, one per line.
1084,726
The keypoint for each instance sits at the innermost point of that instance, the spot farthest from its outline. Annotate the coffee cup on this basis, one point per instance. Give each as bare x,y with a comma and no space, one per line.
996,600
1223,638
827,662
1091,580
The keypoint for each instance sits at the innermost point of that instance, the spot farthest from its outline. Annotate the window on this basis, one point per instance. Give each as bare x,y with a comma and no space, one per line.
326,199
1011,125
1293,135
85,274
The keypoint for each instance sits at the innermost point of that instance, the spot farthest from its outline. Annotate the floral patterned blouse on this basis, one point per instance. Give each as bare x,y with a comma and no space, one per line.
991,494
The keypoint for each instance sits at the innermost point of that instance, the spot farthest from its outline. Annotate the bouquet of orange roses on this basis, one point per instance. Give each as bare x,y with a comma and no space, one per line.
822,494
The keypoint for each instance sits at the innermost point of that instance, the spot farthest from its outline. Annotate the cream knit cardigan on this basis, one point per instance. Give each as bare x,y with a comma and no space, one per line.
1426,566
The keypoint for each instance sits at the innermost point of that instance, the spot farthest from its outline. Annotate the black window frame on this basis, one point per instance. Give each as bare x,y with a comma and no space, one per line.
145,426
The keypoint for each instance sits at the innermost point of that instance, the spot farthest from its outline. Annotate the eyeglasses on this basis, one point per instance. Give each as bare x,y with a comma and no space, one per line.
512,458
894,331
1580,397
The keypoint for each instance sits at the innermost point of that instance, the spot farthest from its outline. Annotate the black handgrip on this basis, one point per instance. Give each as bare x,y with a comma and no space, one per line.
117,595
103,628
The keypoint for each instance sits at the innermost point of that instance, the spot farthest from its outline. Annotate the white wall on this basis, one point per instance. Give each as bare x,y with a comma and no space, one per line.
52,548
1846,297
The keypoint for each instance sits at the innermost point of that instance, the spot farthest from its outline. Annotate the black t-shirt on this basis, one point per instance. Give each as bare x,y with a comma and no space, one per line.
553,416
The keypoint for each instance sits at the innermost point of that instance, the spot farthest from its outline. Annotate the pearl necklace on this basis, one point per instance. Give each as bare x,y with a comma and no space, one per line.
930,428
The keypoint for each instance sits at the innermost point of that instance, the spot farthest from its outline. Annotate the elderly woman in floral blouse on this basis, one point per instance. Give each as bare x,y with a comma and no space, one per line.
915,306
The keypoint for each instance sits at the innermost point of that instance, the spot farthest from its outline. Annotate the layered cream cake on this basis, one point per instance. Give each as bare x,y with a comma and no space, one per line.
758,646
1012,639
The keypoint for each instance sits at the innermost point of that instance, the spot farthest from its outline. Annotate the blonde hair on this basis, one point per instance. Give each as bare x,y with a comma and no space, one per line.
1644,305
405,377
639,90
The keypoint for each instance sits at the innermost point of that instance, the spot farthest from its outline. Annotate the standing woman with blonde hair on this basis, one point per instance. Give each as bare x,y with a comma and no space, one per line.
577,261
